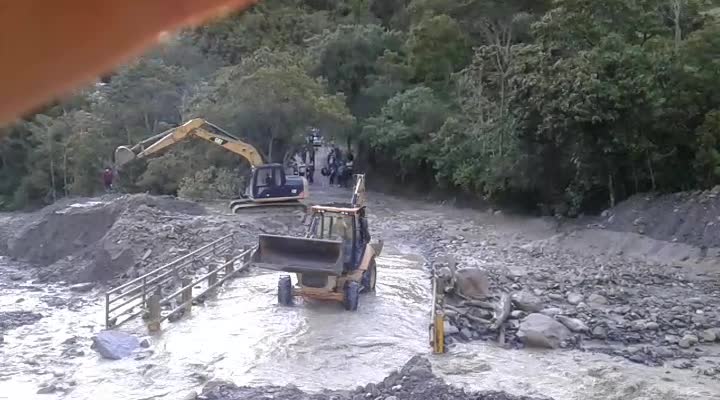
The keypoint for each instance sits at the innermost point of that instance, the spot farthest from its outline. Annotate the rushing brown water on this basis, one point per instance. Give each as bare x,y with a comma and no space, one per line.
244,336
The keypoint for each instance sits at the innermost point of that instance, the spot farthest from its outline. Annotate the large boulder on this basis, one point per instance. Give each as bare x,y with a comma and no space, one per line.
115,345
472,282
538,330
527,302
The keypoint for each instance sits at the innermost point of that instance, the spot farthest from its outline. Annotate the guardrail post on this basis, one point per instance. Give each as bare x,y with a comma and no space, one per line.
212,279
154,311
229,266
246,257
107,311
144,290
187,293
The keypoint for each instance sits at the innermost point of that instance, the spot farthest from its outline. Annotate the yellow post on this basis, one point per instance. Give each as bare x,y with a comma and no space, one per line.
153,306
229,267
187,294
439,332
212,280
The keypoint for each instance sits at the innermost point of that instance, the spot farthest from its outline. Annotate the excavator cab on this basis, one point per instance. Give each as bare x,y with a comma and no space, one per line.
269,182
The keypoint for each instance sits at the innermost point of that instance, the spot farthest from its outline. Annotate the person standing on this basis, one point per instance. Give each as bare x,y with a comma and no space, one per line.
108,177
310,171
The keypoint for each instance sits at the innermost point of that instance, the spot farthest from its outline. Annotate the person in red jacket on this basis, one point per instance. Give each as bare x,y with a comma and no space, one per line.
108,179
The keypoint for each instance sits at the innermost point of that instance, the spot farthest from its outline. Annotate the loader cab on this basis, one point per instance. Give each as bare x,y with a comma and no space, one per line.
343,222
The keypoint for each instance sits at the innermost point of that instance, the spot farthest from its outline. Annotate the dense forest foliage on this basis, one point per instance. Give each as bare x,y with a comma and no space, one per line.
564,105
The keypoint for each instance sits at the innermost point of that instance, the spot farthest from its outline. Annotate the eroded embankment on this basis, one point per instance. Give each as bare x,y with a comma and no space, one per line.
111,238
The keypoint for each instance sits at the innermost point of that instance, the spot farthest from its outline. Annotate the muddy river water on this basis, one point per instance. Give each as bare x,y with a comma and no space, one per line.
244,336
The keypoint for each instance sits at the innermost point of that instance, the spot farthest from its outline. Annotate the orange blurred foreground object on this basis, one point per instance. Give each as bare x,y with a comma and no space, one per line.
49,47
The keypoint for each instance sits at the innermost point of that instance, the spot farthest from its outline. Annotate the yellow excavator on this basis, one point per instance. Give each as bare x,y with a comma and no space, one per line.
269,185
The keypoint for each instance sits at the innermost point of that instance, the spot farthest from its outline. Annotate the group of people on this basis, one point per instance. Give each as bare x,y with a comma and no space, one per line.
339,168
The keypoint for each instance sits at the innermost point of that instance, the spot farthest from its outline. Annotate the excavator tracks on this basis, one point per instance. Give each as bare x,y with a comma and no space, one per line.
240,205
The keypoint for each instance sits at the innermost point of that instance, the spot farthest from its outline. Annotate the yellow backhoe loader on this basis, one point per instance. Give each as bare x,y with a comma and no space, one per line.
334,261
269,185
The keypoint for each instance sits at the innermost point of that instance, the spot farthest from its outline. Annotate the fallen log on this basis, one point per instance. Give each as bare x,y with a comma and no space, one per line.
502,311
477,303
464,314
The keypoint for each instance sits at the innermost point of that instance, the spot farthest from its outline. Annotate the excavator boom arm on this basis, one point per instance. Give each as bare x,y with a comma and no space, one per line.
195,127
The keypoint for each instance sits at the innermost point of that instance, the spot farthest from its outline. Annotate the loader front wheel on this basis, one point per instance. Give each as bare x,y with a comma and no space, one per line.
369,277
285,297
351,296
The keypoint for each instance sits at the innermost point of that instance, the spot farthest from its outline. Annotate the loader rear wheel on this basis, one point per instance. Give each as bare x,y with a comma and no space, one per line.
285,297
352,296
369,277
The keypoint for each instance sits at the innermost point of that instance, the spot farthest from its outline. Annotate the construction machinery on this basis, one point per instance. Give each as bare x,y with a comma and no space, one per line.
334,261
269,184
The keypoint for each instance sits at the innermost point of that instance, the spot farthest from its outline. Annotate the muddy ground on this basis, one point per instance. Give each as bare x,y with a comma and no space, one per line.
642,279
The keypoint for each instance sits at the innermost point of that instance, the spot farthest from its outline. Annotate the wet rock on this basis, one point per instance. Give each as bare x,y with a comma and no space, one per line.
652,326
114,345
145,343
597,300
472,282
575,298
48,388
466,333
555,296
13,319
71,340
82,287
518,314
17,277
672,339
190,396
600,332
709,335
552,311
527,301
538,330
688,341
573,324
391,398
664,352
682,364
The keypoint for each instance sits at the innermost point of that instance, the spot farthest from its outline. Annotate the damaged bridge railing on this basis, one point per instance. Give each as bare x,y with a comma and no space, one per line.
146,294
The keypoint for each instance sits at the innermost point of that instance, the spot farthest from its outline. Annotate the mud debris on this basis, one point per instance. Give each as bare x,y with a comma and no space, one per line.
415,381
115,238
14,319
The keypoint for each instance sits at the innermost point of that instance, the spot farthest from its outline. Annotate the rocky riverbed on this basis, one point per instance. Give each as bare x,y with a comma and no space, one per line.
574,297
561,290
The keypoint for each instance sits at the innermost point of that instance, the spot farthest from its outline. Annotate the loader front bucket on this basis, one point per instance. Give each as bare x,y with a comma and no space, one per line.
297,254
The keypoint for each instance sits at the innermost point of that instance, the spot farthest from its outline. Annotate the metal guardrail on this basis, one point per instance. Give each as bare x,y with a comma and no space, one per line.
131,299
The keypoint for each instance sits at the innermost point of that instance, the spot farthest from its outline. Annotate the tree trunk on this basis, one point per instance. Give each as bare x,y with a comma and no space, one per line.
611,189
650,170
52,179
65,179
677,6
148,127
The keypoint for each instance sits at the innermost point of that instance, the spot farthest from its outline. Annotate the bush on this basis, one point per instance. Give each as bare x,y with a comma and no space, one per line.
211,183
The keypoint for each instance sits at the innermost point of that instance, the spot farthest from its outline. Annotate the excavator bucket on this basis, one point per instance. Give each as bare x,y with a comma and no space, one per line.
297,254
123,155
